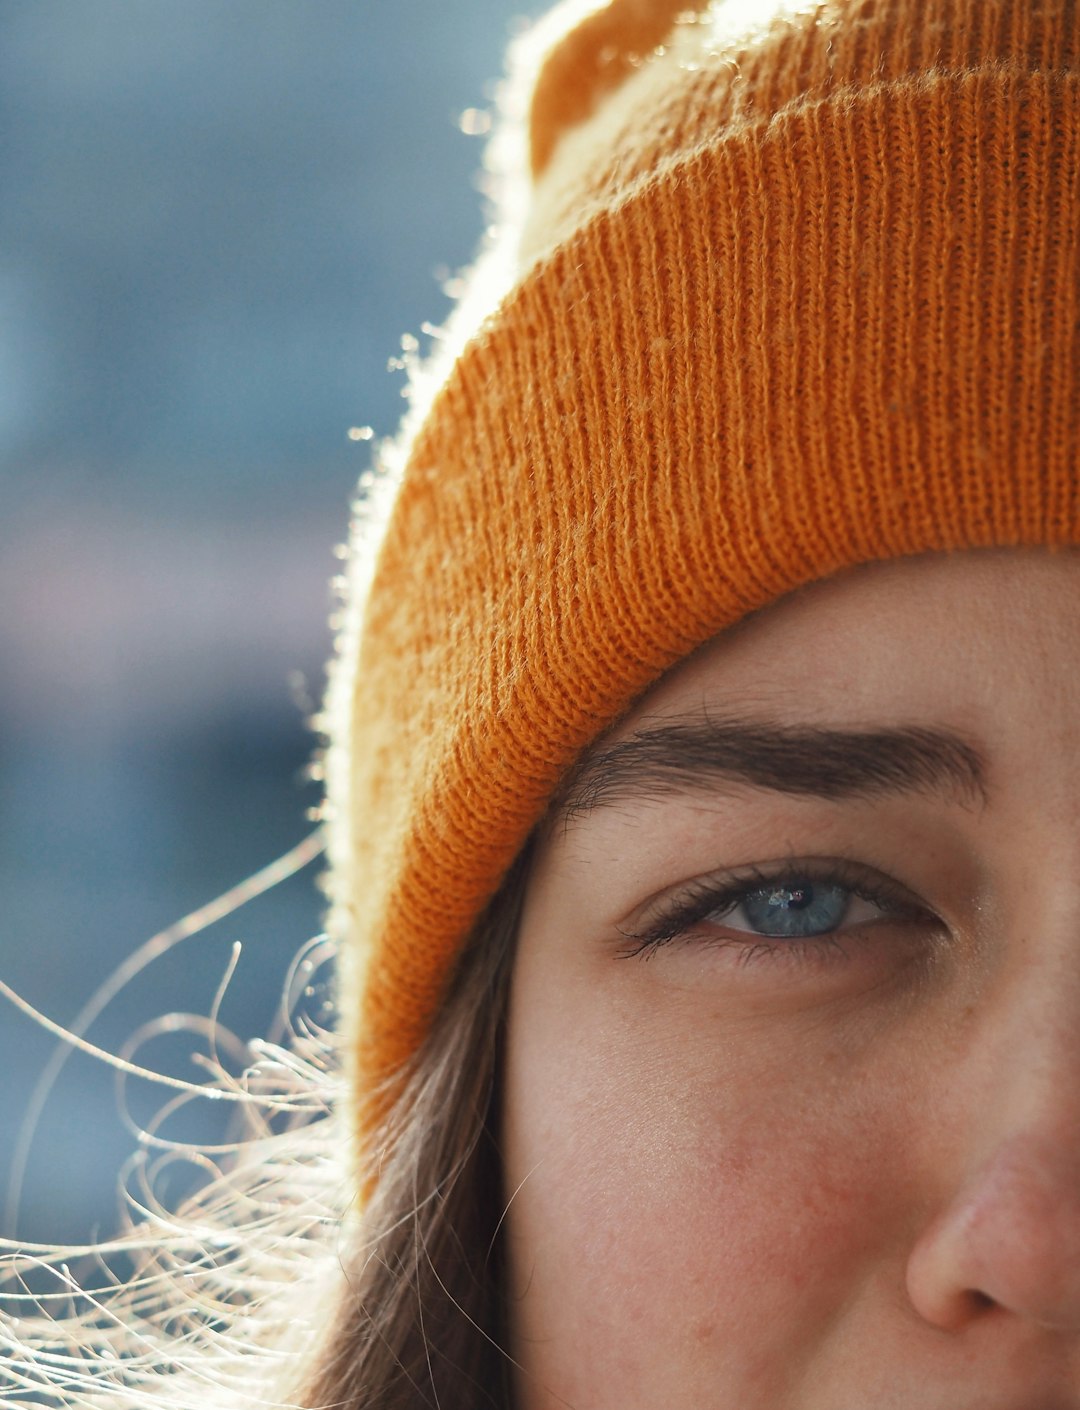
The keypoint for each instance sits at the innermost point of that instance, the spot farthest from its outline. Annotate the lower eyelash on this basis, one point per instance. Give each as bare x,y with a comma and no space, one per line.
750,947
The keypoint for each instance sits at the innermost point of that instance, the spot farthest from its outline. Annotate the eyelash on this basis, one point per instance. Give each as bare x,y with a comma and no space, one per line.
717,897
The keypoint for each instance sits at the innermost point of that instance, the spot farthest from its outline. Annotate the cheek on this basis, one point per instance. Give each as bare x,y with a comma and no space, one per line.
716,1193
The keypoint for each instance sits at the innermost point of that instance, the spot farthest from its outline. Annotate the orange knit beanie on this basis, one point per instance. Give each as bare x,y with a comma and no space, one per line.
795,287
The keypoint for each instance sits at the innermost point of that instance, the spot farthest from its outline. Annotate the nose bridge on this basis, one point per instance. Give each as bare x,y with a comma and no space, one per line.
1027,1047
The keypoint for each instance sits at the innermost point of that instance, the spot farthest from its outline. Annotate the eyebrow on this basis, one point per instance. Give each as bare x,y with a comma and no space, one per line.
697,756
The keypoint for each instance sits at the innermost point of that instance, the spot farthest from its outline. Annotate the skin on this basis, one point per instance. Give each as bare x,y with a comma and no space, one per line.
825,1174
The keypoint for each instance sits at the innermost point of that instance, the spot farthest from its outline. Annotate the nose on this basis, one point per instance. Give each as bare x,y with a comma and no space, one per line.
1008,1240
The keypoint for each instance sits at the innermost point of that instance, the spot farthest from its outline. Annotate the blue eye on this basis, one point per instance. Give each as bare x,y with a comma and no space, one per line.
792,906
795,908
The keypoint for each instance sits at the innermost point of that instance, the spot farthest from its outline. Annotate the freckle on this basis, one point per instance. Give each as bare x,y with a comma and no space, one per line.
705,1331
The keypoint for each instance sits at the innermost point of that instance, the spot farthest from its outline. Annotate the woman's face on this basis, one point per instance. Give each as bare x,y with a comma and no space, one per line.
792,1112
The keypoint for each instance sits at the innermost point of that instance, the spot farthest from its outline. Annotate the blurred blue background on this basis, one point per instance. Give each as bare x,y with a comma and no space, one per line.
218,218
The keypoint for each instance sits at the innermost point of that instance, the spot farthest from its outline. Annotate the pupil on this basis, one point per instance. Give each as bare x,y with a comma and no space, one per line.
792,898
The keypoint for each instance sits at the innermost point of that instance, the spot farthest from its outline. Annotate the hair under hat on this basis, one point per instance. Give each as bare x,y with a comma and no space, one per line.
796,287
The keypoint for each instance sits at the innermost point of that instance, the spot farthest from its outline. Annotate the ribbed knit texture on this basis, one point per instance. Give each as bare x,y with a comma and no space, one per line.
786,304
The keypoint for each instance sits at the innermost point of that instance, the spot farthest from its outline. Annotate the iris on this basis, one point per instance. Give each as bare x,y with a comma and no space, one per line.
795,910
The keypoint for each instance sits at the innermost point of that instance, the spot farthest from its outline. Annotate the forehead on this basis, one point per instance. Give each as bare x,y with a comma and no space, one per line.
902,640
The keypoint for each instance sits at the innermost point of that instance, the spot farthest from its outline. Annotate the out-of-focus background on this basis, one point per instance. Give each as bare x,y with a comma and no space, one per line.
218,219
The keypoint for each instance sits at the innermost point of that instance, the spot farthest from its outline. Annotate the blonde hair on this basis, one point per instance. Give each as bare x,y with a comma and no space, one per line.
422,1320
270,1286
